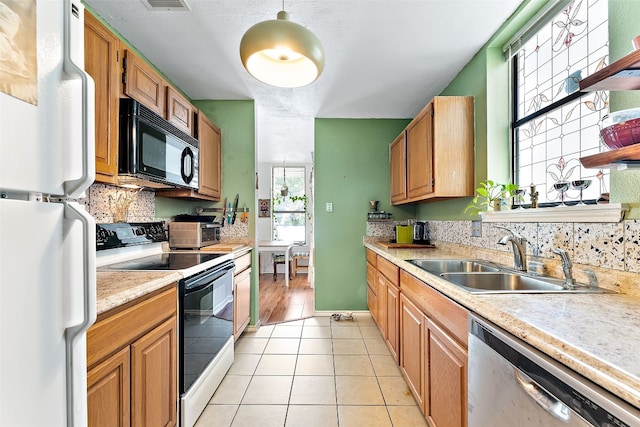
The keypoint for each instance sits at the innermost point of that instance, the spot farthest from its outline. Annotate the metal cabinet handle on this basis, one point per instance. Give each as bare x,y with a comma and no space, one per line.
547,401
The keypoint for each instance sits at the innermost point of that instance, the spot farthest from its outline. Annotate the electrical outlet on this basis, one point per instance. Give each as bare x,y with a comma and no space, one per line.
329,207
476,228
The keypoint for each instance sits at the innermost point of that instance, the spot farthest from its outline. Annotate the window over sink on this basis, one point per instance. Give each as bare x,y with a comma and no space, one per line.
553,123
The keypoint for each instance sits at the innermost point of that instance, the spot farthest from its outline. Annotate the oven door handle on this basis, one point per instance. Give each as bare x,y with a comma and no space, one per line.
193,284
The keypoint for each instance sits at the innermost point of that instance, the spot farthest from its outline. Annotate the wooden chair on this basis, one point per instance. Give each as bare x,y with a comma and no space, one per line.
279,259
297,256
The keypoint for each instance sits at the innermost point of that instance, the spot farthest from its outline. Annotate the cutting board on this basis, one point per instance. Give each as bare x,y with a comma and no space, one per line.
223,247
389,245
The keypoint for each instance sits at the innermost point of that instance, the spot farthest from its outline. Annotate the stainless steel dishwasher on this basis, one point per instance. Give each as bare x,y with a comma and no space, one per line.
513,384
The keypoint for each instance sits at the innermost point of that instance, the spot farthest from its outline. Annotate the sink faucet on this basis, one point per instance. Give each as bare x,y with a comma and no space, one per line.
519,244
569,281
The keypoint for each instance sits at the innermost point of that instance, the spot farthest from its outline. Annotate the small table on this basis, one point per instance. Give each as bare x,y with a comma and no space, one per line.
278,246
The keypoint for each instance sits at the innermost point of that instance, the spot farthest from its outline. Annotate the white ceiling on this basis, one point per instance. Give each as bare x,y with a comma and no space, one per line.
384,59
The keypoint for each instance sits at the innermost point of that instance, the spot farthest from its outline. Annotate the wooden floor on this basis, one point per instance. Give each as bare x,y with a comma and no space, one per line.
281,304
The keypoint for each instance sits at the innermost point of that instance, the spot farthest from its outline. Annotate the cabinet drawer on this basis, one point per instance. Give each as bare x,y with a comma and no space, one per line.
371,258
242,262
389,269
445,312
114,332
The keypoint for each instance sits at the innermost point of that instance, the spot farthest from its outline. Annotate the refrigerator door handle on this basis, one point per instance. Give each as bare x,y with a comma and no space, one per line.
74,35
75,396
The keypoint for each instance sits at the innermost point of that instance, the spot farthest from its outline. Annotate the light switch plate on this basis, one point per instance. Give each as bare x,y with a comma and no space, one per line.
329,207
476,228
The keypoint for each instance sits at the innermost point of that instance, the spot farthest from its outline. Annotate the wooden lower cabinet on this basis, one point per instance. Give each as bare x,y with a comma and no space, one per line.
412,350
108,391
392,317
132,365
433,351
242,300
446,379
153,392
241,294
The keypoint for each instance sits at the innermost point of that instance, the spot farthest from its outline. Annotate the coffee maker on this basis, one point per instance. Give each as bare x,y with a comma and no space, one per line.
421,235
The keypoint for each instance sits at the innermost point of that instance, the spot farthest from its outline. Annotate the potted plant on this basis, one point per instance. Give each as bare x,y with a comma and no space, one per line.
489,196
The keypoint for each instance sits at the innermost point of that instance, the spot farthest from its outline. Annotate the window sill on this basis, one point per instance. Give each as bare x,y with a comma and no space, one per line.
610,212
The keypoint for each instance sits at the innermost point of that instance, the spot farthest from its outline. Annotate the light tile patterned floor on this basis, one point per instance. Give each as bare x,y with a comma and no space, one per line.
316,372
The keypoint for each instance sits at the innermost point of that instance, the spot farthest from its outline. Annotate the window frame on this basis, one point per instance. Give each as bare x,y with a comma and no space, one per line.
274,195
544,18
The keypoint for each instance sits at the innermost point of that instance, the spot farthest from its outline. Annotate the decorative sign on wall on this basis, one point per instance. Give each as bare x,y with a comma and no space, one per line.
265,208
18,54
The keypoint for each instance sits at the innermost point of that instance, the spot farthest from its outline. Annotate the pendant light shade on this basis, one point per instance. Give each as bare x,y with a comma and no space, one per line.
282,53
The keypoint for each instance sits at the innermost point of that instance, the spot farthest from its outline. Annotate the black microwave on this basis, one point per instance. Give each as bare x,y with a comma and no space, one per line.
152,152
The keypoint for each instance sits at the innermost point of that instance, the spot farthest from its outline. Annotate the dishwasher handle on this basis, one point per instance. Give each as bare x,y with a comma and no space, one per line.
546,400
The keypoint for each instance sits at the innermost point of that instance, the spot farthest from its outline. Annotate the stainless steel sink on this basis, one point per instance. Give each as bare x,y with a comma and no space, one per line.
505,282
439,266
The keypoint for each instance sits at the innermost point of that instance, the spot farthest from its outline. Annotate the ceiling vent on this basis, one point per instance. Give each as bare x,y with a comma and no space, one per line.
166,5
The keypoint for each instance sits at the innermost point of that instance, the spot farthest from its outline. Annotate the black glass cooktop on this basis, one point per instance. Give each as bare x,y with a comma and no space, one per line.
165,261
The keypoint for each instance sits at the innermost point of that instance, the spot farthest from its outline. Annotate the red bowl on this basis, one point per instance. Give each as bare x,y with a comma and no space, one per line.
621,134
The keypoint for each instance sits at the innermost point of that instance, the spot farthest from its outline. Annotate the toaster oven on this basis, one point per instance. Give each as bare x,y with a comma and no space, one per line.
193,235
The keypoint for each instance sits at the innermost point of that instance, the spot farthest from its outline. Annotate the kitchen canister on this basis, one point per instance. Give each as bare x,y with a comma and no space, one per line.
404,234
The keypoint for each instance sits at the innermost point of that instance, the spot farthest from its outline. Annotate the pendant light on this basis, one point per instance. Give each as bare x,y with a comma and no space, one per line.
284,191
282,53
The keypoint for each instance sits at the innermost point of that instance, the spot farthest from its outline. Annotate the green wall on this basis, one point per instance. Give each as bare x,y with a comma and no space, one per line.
351,168
624,16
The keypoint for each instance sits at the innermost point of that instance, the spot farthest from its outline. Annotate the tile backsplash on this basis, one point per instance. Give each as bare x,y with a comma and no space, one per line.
102,202
614,246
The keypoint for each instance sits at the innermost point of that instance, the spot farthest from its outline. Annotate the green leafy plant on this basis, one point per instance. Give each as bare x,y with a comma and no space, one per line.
487,194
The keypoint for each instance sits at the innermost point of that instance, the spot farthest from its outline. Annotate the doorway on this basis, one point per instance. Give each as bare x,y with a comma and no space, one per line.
288,192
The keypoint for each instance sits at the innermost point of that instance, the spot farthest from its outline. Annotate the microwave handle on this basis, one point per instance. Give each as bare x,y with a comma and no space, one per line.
188,165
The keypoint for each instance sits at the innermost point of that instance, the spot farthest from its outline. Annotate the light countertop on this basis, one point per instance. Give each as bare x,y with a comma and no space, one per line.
115,288
596,335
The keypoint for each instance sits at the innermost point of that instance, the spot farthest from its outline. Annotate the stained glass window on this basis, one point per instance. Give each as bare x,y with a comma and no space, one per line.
555,124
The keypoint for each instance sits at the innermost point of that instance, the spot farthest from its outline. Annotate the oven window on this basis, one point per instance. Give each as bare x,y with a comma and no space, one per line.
207,324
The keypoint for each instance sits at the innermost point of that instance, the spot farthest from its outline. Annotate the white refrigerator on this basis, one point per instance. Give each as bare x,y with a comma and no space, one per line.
47,239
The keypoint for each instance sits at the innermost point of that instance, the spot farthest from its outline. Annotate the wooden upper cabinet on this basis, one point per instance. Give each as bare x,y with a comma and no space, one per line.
439,153
398,168
180,112
210,171
101,59
143,83
420,154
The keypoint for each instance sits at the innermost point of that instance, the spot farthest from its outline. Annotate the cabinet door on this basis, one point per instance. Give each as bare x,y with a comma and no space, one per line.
393,319
241,301
446,376
372,304
143,83
108,397
412,324
420,154
381,292
180,112
210,168
101,61
154,377
398,168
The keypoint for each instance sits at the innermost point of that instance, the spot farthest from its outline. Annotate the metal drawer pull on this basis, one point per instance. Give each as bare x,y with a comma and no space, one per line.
547,401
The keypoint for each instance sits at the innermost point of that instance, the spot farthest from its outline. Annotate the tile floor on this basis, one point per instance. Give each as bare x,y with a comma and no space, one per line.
316,372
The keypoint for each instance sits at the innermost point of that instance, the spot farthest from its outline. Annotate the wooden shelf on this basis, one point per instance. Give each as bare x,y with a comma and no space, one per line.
624,74
614,158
